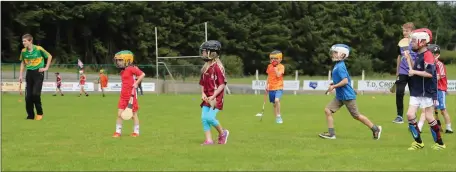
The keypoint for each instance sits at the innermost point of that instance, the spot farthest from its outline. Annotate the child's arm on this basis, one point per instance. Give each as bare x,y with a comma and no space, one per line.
221,82
279,70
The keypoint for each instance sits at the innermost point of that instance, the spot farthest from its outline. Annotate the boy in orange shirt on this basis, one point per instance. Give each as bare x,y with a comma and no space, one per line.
274,83
103,80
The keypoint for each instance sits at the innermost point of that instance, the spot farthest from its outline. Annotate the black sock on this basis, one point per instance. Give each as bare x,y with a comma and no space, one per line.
331,131
374,128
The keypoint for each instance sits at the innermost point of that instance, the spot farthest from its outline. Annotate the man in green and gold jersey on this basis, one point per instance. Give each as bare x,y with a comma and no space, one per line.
32,58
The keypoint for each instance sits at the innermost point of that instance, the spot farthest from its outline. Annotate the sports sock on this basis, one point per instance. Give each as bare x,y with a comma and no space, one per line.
278,115
435,130
414,130
448,127
374,128
331,131
438,123
118,128
136,129
420,125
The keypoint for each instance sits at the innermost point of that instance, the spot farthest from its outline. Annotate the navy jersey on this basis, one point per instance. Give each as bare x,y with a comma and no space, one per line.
422,86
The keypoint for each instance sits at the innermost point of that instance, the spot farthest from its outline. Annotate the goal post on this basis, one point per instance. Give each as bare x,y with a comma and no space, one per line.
160,61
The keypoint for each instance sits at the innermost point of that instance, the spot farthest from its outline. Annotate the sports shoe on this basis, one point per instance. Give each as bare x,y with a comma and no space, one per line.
377,133
279,120
416,146
326,135
436,146
398,120
224,138
115,135
134,134
207,143
38,117
448,131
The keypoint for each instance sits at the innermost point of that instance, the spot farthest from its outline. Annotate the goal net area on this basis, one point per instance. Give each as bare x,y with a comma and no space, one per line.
179,73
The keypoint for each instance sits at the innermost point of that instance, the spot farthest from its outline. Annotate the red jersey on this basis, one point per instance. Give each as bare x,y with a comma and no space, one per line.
82,79
126,76
59,80
442,83
210,81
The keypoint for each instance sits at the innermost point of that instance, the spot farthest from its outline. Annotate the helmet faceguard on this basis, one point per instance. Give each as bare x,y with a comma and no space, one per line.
339,52
435,50
276,55
123,59
420,38
210,50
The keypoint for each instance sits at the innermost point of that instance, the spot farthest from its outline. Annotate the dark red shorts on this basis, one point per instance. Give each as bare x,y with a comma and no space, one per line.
123,103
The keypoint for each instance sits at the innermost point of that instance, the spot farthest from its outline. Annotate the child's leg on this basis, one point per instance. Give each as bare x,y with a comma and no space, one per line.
447,118
353,109
413,126
435,129
206,124
422,119
136,123
119,122
223,133
278,95
330,109
272,94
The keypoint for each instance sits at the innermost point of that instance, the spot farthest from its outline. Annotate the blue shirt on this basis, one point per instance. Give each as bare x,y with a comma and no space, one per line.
422,86
338,74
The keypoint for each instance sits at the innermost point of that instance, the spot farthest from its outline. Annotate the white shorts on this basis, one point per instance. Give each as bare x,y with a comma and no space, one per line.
422,102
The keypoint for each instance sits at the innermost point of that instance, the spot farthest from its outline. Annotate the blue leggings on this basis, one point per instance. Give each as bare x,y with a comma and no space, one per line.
208,118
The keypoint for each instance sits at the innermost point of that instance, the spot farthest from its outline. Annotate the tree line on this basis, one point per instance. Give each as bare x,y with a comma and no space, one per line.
303,31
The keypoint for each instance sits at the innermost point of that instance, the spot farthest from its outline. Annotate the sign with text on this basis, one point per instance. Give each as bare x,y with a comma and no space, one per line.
451,85
290,85
12,86
67,86
320,85
117,86
376,85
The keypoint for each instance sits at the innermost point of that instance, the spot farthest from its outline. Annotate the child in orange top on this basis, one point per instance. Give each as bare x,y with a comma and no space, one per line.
103,80
274,83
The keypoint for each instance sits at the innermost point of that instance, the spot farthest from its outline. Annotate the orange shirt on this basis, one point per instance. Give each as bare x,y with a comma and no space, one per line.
274,82
103,78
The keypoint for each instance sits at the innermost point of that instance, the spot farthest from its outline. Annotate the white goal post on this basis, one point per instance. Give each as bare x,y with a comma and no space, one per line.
158,62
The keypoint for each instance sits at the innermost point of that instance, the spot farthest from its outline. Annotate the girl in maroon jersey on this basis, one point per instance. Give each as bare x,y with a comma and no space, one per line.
212,83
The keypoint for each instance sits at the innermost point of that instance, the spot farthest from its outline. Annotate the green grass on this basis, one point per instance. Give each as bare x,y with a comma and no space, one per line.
75,135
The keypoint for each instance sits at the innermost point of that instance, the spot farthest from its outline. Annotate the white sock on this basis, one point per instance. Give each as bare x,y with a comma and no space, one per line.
448,127
420,125
136,129
118,128
278,115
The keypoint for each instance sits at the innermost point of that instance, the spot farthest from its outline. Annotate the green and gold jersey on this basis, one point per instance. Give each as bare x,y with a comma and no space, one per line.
34,59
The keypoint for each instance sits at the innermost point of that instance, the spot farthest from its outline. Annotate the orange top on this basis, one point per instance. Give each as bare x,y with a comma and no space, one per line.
103,78
274,82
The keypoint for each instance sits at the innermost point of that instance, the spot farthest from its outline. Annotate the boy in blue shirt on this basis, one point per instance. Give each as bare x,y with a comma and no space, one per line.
345,95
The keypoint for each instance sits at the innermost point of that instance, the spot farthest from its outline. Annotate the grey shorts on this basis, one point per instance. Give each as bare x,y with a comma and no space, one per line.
335,105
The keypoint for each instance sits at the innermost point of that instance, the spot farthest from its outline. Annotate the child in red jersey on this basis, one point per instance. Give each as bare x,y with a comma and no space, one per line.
82,80
213,84
124,60
58,83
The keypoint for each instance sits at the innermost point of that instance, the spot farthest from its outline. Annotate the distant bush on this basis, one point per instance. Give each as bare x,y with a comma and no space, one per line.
234,66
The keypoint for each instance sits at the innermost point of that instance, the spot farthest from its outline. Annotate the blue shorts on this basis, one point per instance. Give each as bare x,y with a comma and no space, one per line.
273,94
441,97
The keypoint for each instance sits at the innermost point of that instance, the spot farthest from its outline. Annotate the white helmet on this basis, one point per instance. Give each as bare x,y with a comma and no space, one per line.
341,49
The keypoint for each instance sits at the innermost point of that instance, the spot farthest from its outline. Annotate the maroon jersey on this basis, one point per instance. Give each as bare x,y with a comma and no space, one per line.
442,83
59,80
126,76
210,81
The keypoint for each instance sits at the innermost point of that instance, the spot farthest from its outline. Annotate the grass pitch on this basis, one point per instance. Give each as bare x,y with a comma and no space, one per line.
75,134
